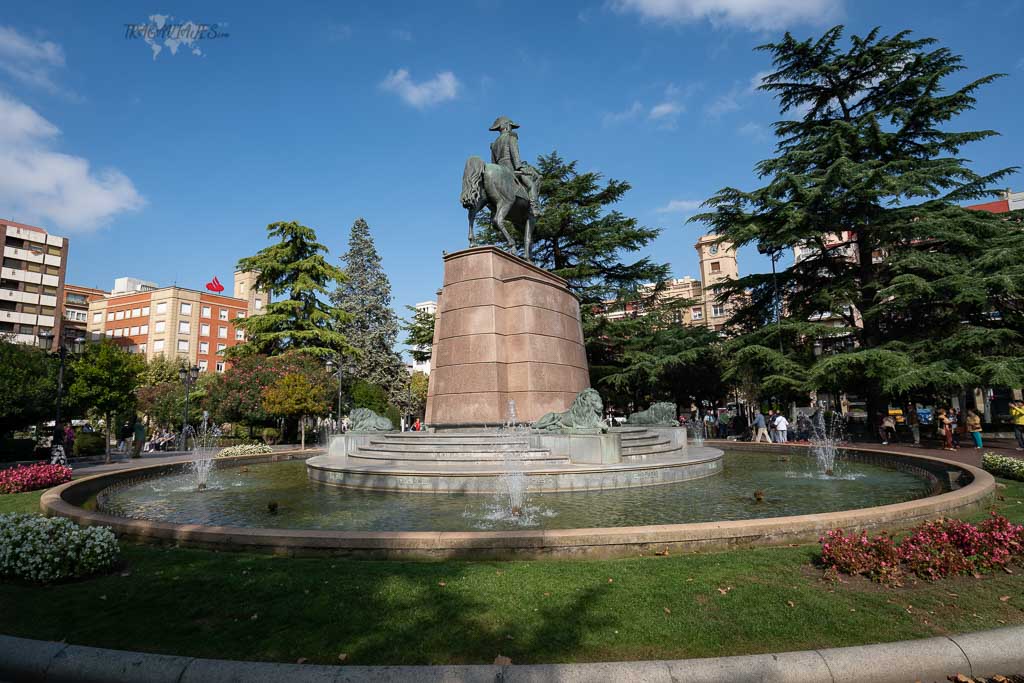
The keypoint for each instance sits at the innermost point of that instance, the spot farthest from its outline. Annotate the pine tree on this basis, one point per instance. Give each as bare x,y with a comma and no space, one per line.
364,296
296,273
420,334
904,291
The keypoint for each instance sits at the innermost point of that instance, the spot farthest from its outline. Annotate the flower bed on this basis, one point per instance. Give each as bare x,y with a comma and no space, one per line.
41,475
46,549
932,550
245,449
1003,466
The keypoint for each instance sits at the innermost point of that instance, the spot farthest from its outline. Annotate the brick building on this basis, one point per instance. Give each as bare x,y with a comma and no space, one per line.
75,312
31,282
175,321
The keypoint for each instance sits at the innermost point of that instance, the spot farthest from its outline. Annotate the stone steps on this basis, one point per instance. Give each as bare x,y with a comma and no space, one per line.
460,458
448,446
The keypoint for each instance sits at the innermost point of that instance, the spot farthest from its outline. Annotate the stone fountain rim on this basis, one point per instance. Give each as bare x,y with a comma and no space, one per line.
598,542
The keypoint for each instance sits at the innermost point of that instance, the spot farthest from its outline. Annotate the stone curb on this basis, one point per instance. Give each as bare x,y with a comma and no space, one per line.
983,653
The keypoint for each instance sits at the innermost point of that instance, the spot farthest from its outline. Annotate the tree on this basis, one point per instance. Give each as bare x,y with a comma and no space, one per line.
418,384
105,378
369,322
28,386
161,369
294,268
918,293
420,334
296,396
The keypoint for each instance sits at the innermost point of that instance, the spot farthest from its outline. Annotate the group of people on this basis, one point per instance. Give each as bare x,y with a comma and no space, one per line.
774,427
950,424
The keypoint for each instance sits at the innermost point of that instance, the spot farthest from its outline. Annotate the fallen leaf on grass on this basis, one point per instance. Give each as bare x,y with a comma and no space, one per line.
725,590
611,580
667,610
1007,570
1004,598
547,595
442,584
502,660
790,603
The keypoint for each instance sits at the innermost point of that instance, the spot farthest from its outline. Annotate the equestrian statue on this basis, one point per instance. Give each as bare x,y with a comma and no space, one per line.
508,186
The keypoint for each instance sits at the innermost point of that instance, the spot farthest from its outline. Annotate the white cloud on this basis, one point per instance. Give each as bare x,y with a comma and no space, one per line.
723,104
754,131
39,185
757,79
664,110
29,61
612,118
441,88
680,206
755,15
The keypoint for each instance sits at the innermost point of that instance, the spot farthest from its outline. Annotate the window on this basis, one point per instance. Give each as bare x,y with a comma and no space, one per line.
717,311
716,267
205,312
204,329
222,332
220,367
29,286
29,308
222,314
142,348
185,309
47,310
160,326
145,310
119,332
239,314
136,312
204,347
239,335
52,250
161,307
73,298
184,327
119,315
144,329
158,345
110,317
97,317
183,345
33,267
259,304
697,313
134,330
221,347
51,270
49,291
203,366
110,333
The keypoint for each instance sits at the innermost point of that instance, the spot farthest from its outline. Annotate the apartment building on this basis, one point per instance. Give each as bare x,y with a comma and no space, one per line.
429,307
31,282
176,321
75,312
717,262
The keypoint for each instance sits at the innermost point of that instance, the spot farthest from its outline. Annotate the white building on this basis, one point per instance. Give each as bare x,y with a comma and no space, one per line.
429,307
31,282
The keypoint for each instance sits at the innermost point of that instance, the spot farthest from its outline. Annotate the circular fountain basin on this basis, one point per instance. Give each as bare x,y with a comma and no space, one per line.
870,491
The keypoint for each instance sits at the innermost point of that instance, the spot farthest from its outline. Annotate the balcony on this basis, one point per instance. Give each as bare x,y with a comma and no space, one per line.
47,300
21,275
23,254
50,280
52,260
20,297
31,235
18,318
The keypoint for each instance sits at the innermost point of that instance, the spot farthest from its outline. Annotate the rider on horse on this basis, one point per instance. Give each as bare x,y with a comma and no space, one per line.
505,152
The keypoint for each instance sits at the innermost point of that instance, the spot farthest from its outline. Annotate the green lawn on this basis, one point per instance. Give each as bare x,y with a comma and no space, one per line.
20,502
244,606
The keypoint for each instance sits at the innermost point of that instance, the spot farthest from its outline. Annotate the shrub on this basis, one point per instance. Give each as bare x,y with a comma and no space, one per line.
271,435
89,443
45,549
17,449
245,449
932,550
1003,466
41,475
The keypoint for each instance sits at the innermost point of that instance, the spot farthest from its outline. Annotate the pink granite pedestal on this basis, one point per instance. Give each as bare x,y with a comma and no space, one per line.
505,330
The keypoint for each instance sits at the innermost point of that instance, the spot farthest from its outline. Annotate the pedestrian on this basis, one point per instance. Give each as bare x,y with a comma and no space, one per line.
123,436
803,427
723,424
759,428
781,427
887,429
773,432
139,434
974,428
69,439
944,430
416,426
1017,415
956,425
914,421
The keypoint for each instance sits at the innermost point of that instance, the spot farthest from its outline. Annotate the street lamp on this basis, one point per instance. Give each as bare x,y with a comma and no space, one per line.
188,376
331,365
45,342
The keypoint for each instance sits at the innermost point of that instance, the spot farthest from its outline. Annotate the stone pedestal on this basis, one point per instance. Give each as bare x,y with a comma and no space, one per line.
505,329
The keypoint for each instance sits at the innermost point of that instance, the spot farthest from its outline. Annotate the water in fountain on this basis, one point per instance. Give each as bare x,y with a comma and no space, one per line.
826,435
204,445
513,480
697,432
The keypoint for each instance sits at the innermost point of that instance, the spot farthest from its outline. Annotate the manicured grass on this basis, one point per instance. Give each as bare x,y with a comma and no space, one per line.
243,606
20,502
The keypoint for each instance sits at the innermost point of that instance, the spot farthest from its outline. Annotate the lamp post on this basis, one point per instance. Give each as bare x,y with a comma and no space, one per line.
188,377
45,342
331,365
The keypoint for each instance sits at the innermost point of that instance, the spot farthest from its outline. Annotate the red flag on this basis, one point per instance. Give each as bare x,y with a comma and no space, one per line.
215,285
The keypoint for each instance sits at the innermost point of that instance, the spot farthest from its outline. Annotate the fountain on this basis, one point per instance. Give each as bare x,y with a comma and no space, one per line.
513,482
204,445
825,440
697,432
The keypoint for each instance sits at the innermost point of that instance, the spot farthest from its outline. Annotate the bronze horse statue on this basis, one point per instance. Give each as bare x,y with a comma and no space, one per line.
496,187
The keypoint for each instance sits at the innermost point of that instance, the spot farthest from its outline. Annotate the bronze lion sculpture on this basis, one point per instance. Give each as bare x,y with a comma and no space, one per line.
584,414
661,413
365,420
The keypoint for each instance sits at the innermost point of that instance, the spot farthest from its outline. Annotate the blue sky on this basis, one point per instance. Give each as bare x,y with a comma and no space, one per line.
169,168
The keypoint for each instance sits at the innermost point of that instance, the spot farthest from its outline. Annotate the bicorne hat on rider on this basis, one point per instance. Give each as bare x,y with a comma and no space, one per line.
498,122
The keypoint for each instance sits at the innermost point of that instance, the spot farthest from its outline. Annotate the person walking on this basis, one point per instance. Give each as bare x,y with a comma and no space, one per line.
139,438
944,430
956,426
914,421
974,428
887,429
1017,415
723,424
759,428
781,427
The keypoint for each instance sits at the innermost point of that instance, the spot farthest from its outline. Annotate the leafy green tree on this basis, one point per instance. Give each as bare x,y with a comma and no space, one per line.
420,334
369,322
418,384
105,378
367,395
866,179
296,396
28,386
161,369
296,274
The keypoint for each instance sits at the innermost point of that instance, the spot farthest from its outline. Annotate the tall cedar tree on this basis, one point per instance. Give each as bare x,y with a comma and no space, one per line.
580,238
296,274
927,293
370,324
